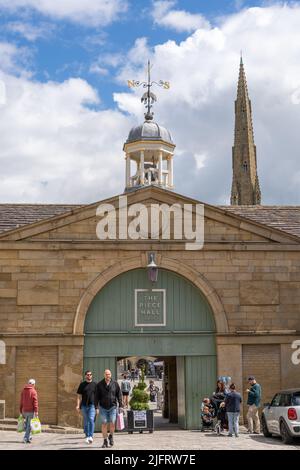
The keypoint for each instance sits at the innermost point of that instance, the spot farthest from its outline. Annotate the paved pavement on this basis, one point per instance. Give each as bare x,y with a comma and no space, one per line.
168,439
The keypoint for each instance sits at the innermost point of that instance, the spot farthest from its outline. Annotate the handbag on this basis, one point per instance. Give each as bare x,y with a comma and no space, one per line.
21,424
120,422
35,426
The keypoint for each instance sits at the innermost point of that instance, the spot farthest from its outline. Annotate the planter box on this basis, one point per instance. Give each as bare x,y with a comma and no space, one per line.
139,421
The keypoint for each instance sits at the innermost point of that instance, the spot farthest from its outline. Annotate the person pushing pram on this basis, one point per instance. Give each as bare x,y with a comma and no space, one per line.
218,400
213,410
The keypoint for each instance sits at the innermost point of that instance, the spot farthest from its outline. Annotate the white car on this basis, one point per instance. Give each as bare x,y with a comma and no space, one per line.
282,416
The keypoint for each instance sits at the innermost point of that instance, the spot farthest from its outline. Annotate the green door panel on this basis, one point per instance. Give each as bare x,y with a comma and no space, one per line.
149,345
200,382
189,335
98,365
112,309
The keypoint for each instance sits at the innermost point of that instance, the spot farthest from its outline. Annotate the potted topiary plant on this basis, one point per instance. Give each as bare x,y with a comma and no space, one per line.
139,417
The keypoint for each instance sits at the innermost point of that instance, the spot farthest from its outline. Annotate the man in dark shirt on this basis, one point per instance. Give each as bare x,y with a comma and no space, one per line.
108,395
233,402
253,402
87,403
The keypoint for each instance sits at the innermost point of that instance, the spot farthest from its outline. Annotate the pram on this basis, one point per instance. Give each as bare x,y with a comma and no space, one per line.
218,401
208,414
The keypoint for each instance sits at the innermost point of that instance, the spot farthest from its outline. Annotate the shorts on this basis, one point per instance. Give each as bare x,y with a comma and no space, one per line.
125,394
108,416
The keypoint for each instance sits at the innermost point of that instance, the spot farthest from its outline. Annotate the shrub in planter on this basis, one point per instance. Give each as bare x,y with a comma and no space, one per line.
140,398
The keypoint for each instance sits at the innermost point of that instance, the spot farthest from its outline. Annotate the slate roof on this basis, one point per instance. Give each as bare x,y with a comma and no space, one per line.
284,218
17,215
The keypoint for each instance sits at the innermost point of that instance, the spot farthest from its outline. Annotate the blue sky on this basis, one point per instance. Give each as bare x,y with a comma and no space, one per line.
65,109
64,48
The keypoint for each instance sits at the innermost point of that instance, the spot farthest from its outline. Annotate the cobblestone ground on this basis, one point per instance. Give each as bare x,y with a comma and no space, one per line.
159,440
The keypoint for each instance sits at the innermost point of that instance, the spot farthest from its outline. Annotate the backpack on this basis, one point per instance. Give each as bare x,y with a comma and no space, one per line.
125,386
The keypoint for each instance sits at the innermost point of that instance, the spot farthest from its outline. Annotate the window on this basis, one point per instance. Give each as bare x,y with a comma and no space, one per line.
295,399
285,399
276,400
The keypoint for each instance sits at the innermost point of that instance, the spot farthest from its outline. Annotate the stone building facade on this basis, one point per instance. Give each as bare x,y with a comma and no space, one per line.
68,298
51,270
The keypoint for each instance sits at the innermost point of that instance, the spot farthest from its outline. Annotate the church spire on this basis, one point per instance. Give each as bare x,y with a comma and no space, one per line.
245,188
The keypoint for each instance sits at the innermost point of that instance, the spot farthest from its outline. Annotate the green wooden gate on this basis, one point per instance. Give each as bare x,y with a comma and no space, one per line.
188,333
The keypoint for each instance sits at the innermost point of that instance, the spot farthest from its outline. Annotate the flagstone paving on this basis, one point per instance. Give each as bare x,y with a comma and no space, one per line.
168,439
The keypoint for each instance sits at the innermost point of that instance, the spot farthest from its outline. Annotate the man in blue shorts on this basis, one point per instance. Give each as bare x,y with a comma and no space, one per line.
108,396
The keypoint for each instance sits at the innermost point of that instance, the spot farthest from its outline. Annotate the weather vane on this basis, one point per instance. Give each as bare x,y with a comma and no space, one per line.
149,97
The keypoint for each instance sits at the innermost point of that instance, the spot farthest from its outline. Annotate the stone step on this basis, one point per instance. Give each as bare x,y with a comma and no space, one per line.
9,421
10,424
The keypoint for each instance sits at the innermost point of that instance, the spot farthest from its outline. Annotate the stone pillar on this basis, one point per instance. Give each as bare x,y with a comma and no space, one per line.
160,179
230,363
170,171
70,366
8,391
166,410
127,179
142,168
173,405
290,372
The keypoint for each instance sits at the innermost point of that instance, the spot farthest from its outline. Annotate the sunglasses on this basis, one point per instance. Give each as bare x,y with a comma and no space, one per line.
88,374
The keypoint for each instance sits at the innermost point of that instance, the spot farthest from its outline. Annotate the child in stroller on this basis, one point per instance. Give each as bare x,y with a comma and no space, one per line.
207,415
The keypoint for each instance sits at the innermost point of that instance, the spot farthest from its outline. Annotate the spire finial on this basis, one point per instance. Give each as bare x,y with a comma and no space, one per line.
149,97
241,57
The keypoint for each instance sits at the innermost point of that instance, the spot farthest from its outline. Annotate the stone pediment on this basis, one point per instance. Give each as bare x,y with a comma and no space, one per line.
80,223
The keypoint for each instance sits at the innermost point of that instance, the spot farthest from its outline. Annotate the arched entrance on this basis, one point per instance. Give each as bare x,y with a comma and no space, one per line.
130,316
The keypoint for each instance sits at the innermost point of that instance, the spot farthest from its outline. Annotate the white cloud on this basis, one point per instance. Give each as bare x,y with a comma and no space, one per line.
200,160
180,20
199,107
30,31
9,55
98,70
93,13
55,145
104,62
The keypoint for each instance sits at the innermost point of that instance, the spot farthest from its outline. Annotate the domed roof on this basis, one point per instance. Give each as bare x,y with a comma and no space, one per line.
149,131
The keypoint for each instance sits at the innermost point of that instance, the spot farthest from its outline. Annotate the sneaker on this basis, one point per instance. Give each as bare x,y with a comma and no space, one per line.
111,439
105,443
236,435
230,435
249,432
256,432
87,440
91,439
